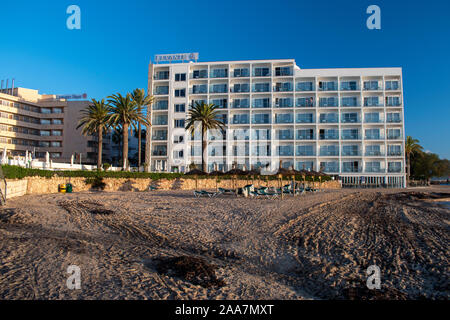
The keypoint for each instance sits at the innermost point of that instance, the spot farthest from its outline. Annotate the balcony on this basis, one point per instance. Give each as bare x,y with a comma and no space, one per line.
159,137
394,137
199,74
284,119
282,87
305,153
325,153
373,137
219,73
394,153
350,136
351,169
161,91
283,71
240,89
353,153
241,73
305,87
394,169
374,170
218,89
374,154
261,88
329,137
159,153
283,135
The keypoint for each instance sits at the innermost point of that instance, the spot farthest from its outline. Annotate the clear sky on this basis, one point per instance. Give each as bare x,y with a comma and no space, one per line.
117,39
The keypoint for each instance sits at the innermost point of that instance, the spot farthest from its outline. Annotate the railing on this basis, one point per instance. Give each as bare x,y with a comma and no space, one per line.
374,153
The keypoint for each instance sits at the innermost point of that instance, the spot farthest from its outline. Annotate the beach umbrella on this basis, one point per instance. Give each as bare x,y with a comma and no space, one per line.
216,174
71,160
47,157
196,173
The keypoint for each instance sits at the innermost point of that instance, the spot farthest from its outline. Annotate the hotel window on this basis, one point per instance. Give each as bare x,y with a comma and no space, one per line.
180,107
261,118
328,86
394,150
221,103
240,103
46,121
261,72
56,144
287,150
285,134
392,101
57,121
371,101
199,88
283,102
199,74
180,77
373,150
284,118
350,150
393,117
306,150
372,117
44,144
162,75
332,166
160,120
373,166
372,134
395,167
261,103
330,150
305,102
305,165
349,85
180,92
306,134
161,105
350,117
305,86
349,101
283,71
261,87
179,123
393,134
57,110
240,119
350,166
162,90
392,85
46,110
56,132
371,85
241,72
241,87
45,133
283,86
328,102
305,118
159,135
328,117
218,88
178,154
329,134
219,73
261,134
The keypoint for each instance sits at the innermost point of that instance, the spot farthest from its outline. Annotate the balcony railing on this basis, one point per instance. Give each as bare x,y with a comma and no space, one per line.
374,154
159,152
395,170
351,153
375,170
351,170
328,137
373,137
329,153
394,153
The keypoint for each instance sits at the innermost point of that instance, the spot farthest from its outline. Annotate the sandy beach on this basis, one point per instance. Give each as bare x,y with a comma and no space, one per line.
170,245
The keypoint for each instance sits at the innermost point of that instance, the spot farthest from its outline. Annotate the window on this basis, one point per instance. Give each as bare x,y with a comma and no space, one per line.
328,102
305,150
178,139
57,110
261,118
179,123
261,103
305,118
261,72
305,102
241,72
198,74
393,117
350,117
349,101
57,121
45,133
219,73
180,107
180,92
371,101
372,117
392,85
349,85
305,86
178,154
162,75
350,150
221,103
56,144
371,85
240,103
283,71
45,121
180,77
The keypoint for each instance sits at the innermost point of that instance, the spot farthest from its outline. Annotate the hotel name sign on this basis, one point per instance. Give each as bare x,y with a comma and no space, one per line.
176,57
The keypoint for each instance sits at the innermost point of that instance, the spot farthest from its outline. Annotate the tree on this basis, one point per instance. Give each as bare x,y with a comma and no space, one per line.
411,146
141,100
117,139
207,115
125,113
96,119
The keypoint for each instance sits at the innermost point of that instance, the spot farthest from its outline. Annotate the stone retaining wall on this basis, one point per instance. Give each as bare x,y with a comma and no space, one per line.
39,185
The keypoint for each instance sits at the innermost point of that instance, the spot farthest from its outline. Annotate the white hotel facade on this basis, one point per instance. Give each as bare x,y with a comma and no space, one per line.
346,122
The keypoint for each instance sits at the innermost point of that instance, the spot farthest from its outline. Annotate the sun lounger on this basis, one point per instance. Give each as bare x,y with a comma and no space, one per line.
227,191
203,193
152,188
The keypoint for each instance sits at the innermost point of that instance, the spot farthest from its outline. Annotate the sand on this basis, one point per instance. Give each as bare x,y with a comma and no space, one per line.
316,246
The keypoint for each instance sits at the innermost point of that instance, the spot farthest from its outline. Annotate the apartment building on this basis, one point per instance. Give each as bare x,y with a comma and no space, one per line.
38,123
346,122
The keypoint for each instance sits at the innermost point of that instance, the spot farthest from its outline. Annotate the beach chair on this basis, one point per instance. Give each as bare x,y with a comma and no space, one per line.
227,191
203,193
266,193
152,188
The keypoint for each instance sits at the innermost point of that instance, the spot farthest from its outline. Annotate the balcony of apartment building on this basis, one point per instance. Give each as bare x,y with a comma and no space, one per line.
239,135
373,118
304,165
394,150
284,134
393,117
261,71
261,118
329,151
284,103
328,86
218,88
160,105
285,150
350,102
241,119
374,167
394,134
159,151
373,151
261,87
305,86
261,103
241,150
329,118
373,134
372,85
240,88
328,102
304,118
199,74
284,118
329,167
243,103
393,101
350,151
218,72
373,101
392,85
159,135
328,134
351,167
286,71
305,134
261,134
160,120
305,102
221,103
351,85
161,75
199,89
305,151
350,118
395,167
283,87
161,90
242,72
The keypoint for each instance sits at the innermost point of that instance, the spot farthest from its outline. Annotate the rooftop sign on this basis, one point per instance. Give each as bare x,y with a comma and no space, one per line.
176,57
72,96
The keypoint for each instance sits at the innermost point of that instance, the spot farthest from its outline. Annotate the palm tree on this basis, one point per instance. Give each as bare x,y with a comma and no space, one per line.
125,113
141,100
117,139
411,146
207,115
96,119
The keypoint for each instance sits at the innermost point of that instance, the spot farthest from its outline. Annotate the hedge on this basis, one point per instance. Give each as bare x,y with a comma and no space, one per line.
16,172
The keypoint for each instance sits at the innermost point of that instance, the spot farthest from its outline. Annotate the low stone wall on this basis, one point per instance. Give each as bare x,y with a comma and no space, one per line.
39,185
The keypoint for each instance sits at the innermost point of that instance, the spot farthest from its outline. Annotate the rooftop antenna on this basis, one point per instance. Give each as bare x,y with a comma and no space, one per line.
12,87
7,82
1,88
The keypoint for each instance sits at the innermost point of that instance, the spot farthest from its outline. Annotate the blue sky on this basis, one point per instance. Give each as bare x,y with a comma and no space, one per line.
117,39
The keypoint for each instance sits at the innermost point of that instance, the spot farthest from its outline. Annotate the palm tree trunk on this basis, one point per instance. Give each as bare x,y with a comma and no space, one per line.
408,166
203,148
147,143
139,146
125,146
100,148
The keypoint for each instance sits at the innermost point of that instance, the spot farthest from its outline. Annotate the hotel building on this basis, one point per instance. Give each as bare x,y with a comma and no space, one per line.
38,123
346,122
